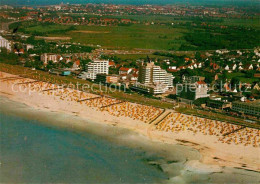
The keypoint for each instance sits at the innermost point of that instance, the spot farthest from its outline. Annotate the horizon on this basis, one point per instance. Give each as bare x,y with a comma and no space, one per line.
128,2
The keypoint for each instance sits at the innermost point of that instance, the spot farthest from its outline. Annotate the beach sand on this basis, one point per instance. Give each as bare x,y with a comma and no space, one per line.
215,153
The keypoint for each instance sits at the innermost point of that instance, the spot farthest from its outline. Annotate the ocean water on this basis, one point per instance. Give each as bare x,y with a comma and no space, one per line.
33,153
39,146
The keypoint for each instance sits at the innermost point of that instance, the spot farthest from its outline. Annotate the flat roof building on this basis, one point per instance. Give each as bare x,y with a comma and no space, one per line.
97,67
251,108
192,91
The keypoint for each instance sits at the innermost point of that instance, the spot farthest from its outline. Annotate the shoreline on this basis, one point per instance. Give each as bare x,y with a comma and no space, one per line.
213,152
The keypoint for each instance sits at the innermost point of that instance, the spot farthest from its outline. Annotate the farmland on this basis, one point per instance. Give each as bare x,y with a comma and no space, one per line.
157,33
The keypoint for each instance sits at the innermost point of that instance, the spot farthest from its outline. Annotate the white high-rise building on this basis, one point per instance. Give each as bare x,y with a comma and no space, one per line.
96,67
153,79
150,73
5,43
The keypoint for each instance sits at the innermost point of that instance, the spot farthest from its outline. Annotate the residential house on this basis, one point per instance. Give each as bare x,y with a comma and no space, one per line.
227,67
233,66
249,67
76,65
214,66
240,68
111,64
124,71
256,87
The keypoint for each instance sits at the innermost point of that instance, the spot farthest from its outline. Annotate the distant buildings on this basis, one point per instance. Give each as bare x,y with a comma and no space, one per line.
192,79
152,79
5,43
45,58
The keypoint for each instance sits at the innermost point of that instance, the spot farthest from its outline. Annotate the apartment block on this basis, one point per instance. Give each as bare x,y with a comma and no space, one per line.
152,79
97,67
192,91
45,58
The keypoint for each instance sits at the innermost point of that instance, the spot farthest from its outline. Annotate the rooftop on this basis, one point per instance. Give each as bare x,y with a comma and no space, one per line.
255,103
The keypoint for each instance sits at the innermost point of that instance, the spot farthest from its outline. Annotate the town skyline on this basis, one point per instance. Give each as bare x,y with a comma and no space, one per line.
132,2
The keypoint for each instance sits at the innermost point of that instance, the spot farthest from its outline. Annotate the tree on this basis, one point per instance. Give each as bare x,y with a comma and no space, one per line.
188,72
176,80
209,77
198,56
250,74
28,63
207,63
235,82
200,101
83,63
50,65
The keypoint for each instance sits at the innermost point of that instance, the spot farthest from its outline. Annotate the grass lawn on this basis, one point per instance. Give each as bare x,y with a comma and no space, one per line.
241,77
138,56
46,28
241,22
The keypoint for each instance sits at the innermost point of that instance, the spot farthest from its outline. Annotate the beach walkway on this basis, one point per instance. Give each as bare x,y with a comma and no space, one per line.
82,100
51,89
36,81
112,104
10,78
236,130
161,117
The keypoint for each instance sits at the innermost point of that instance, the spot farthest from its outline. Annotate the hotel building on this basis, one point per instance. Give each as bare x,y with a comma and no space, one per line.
192,89
152,79
96,67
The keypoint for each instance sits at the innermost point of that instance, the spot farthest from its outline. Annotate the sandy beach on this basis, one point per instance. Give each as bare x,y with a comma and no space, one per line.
220,143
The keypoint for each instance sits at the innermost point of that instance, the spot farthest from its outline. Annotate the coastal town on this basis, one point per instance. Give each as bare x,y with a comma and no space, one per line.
180,89
209,80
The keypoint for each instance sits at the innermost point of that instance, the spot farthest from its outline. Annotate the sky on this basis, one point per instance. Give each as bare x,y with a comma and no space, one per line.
136,2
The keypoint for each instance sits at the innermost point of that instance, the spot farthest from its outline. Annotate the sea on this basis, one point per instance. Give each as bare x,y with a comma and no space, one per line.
38,146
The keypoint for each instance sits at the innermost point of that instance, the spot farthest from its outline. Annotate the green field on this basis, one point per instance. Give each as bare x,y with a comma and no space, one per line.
241,77
47,28
128,37
138,56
